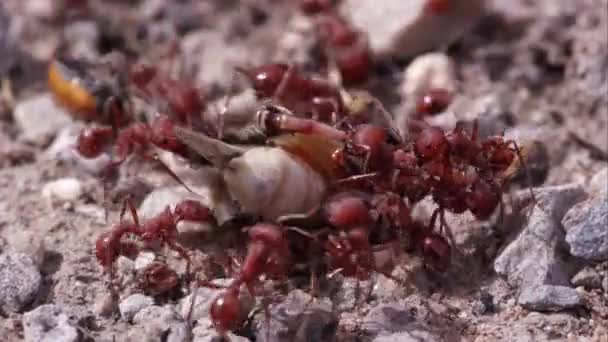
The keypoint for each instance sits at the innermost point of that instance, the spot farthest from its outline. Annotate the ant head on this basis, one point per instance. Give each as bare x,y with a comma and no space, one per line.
312,7
345,210
191,210
159,278
374,139
354,62
142,74
336,31
163,135
434,101
482,200
370,135
438,7
105,249
266,78
225,311
431,143
268,233
436,252
269,119
92,141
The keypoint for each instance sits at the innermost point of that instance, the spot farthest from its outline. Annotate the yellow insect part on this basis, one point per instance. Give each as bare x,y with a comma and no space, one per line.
70,92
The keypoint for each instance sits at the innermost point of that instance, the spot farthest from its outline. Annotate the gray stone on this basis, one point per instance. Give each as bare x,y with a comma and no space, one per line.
133,304
20,281
387,318
404,28
39,118
533,252
587,229
48,323
154,321
587,277
532,261
298,318
548,298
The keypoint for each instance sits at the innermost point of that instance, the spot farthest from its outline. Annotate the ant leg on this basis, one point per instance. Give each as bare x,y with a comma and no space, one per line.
525,166
225,106
475,131
167,169
183,253
431,225
357,178
278,93
307,126
129,203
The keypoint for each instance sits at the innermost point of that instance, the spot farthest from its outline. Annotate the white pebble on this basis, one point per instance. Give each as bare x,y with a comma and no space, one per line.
144,259
64,189
133,304
431,70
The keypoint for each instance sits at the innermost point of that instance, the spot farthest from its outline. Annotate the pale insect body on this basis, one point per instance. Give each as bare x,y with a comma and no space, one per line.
266,181
272,182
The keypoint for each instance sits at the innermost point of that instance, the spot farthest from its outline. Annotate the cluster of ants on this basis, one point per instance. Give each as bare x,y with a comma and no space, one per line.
354,176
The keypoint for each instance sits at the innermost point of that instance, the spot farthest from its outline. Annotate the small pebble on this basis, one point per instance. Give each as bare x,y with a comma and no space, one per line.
144,259
131,305
585,225
29,113
485,304
387,318
20,281
587,277
159,321
48,323
64,190
549,298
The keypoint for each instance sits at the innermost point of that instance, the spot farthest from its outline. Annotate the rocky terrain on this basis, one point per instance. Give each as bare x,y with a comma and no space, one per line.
535,70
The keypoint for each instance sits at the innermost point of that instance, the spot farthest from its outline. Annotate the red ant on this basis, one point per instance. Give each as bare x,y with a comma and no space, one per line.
267,253
310,96
312,7
438,7
136,138
184,100
434,101
162,228
345,46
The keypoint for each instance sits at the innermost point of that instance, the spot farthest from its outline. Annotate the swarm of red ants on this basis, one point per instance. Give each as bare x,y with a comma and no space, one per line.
355,175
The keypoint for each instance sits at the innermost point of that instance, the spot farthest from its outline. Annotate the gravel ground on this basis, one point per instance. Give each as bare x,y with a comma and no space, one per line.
534,70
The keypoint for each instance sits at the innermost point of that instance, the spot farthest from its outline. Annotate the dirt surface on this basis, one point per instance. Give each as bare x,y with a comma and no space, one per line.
545,61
